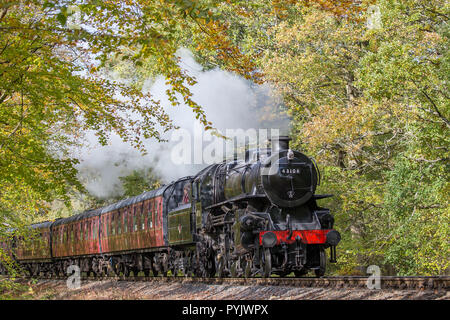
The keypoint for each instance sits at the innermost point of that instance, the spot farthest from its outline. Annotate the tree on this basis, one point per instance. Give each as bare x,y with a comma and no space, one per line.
140,181
371,105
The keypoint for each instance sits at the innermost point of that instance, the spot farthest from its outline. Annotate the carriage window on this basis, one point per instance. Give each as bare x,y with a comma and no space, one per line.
142,218
155,210
119,225
117,222
134,220
158,215
150,216
113,225
138,219
125,221
95,231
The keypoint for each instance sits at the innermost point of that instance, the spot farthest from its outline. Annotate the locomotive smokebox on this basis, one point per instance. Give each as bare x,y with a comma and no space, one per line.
280,143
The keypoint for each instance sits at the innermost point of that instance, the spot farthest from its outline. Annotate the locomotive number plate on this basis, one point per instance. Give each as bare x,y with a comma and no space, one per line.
290,170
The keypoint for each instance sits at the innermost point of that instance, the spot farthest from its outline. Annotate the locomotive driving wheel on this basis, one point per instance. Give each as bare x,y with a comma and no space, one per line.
237,267
266,263
248,265
323,263
233,269
220,265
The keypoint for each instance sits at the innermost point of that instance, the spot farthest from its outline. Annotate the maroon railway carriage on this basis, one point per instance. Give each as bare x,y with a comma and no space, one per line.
128,236
97,240
103,239
34,250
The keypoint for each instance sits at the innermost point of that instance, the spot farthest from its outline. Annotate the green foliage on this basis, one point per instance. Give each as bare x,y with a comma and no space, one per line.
139,181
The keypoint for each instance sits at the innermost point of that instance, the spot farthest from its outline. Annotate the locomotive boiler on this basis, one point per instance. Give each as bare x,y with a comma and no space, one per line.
240,218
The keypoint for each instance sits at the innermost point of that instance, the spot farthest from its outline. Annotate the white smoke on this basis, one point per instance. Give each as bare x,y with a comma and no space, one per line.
229,101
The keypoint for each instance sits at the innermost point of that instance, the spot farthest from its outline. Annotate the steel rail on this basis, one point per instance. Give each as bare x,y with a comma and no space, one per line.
339,282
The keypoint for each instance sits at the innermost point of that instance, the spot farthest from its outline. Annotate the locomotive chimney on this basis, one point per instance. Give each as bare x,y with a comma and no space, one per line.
280,143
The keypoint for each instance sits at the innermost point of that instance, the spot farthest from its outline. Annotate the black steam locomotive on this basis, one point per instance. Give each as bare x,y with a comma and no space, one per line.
260,214
245,217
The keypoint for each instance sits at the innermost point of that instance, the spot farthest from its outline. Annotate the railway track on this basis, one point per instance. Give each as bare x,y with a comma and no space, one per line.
439,283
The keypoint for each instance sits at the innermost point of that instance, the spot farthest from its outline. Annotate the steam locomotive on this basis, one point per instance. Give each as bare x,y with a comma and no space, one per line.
240,218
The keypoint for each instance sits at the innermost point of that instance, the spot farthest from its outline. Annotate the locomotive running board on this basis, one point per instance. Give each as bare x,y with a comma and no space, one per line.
238,198
322,196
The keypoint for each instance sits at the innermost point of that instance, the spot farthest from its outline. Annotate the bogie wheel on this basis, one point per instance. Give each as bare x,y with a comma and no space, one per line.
323,264
248,269
220,266
233,269
126,271
210,269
